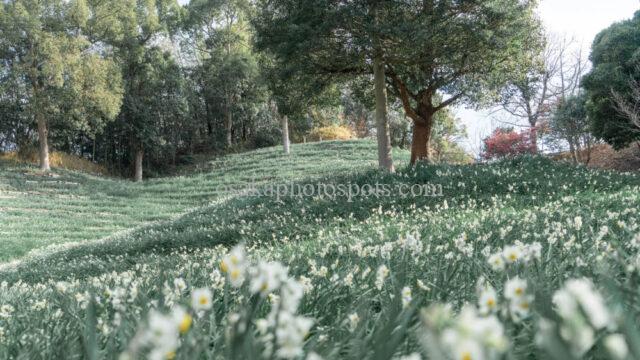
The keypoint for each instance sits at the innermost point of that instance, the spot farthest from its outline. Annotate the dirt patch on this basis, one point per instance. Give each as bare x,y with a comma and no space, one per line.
603,156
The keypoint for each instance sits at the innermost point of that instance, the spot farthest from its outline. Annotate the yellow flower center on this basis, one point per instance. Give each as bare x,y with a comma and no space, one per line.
519,291
235,273
524,305
264,287
185,324
203,300
171,355
466,356
223,266
513,257
491,302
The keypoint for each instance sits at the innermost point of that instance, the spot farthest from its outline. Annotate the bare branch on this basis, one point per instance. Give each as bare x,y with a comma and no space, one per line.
629,109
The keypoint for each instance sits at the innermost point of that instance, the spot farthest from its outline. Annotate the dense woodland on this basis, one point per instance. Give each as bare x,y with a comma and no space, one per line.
146,84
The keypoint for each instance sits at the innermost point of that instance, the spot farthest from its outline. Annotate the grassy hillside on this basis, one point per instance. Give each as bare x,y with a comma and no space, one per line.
366,267
38,211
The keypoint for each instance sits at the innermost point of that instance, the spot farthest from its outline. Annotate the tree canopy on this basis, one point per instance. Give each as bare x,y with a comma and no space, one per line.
52,71
616,65
466,50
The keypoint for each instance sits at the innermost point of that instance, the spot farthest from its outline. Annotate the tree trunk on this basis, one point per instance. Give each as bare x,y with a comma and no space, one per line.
589,147
534,138
572,150
43,133
229,128
403,141
421,141
138,164
385,161
228,121
285,134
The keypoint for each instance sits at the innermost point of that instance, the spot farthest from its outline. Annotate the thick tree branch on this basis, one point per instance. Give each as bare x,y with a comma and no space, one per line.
405,96
448,102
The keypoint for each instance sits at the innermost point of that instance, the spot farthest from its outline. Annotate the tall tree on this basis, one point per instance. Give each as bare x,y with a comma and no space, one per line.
221,41
570,123
311,39
135,30
467,50
56,73
616,66
554,75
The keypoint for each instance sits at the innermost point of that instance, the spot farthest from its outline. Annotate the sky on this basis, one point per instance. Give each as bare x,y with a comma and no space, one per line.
581,20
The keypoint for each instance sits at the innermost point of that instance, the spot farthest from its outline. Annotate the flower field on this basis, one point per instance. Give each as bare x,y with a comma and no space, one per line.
519,259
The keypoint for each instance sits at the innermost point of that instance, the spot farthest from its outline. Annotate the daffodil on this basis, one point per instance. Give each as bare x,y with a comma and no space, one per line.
201,299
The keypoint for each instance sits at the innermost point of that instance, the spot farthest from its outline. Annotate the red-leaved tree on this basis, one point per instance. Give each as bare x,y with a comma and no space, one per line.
506,142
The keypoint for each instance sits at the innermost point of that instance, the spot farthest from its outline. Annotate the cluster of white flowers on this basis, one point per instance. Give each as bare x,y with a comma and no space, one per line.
381,276
233,264
515,290
517,253
518,300
467,336
463,246
487,298
283,325
6,311
163,333
583,312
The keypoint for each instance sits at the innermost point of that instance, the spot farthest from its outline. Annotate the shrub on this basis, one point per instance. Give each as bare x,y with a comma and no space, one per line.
267,138
333,132
506,142
56,159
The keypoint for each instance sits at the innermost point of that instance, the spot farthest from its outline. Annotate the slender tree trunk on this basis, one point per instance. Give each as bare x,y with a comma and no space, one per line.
138,164
385,160
228,120
285,134
572,150
43,133
421,141
578,149
229,128
534,138
403,141
244,132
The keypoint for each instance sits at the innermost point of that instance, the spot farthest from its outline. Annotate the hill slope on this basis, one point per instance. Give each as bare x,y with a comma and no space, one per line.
38,211
366,265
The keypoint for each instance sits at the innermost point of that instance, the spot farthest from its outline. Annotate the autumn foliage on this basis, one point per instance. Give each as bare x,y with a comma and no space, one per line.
506,142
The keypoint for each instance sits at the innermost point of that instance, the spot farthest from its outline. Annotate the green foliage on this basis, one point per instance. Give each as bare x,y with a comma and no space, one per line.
49,65
468,50
446,132
570,123
616,61
228,70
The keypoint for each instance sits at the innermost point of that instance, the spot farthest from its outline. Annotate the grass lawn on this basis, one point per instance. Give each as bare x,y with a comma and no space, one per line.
38,211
